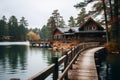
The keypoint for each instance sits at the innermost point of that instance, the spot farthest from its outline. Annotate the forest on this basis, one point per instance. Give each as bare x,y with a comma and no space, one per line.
13,30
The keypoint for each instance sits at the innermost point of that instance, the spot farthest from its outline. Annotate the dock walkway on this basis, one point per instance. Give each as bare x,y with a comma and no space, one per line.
84,68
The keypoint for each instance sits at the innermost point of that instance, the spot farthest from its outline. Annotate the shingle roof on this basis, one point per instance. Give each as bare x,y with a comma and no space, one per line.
66,29
90,19
69,30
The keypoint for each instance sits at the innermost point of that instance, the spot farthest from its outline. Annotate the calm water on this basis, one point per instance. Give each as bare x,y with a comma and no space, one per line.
23,61
110,67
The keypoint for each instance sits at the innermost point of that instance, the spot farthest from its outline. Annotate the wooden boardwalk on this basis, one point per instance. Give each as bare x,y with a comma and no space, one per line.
84,68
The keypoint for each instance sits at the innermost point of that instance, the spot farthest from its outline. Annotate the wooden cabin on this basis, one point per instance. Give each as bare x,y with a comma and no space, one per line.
90,31
65,34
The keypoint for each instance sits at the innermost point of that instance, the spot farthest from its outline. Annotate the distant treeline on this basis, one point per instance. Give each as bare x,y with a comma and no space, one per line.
13,29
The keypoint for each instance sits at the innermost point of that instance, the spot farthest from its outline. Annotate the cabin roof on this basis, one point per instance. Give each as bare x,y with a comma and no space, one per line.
68,34
69,30
92,31
93,21
66,29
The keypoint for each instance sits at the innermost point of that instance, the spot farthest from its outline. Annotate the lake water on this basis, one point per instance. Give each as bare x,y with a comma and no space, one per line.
110,67
18,60
22,61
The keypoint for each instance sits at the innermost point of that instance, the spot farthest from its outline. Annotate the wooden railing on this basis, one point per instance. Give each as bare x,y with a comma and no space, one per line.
67,59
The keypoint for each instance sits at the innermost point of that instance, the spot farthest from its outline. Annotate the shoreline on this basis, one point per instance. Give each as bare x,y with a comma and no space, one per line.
59,45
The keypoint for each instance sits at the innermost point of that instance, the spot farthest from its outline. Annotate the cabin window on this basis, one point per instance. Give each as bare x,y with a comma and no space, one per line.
91,28
57,37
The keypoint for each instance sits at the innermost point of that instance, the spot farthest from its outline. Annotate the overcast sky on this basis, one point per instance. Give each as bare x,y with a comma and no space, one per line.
37,12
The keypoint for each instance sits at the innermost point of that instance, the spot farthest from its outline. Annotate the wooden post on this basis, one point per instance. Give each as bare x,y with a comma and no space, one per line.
79,47
65,65
74,54
75,50
56,70
71,57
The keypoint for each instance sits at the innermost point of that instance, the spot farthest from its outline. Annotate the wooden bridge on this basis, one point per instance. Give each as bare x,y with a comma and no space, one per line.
78,64
40,44
85,67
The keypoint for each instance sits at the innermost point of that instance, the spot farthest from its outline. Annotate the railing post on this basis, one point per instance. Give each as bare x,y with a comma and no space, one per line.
74,51
71,57
56,70
74,54
65,65
77,49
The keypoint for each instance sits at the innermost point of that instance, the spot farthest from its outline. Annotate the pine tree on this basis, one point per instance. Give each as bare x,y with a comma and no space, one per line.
71,22
13,27
81,17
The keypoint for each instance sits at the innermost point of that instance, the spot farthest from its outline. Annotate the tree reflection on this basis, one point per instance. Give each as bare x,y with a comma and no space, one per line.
13,57
48,54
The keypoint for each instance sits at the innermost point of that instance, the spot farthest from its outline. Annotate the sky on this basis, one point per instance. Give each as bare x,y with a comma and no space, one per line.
37,12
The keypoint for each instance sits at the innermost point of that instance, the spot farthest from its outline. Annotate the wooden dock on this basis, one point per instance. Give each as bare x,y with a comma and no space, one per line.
42,44
84,68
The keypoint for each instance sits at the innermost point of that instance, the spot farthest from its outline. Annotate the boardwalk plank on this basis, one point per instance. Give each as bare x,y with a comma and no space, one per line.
84,68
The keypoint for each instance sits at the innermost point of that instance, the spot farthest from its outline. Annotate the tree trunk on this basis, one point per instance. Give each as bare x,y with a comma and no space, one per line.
106,22
111,10
116,23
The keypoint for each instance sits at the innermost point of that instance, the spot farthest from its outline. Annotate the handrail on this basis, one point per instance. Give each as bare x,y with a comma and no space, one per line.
68,67
44,73
79,50
68,59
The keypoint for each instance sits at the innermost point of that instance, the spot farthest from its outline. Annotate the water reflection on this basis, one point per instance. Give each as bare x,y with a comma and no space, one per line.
13,58
23,61
113,66
47,54
110,67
